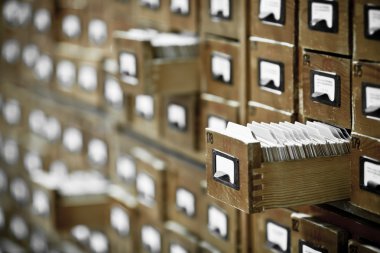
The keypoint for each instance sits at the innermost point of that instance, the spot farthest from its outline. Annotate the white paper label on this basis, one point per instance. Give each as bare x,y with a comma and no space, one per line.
97,152
19,190
268,7
220,6
325,85
126,168
113,92
270,72
221,66
307,249
277,235
30,54
73,139
128,68
80,233
3,181
151,237
66,74
151,3
19,228
322,11
146,189
371,173
216,123
42,20
41,204
24,13
176,248
217,221
71,26
37,121
87,78
10,11
181,6
120,221
32,162
225,166
98,243
11,51
52,129
373,21
2,218
44,67
10,152
145,105
185,200
177,115
97,31
12,112
372,96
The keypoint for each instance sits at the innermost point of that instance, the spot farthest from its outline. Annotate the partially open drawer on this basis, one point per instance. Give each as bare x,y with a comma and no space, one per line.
144,72
253,186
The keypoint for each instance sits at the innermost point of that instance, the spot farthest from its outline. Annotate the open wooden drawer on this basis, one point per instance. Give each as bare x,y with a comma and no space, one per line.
143,72
261,185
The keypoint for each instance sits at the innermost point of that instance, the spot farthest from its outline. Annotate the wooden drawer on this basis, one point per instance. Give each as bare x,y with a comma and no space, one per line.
142,72
205,247
216,112
225,18
263,113
11,51
11,155
273,78
180,124
366,31
178,239
44,24
71,20
146,115
151,235
310,235
150,184
324,21
221,225
257,186
272,231
184,15
222,68
366,97
274,20
185,197
19,229
153,12
326,82
365,169
123,215
20,191
355,246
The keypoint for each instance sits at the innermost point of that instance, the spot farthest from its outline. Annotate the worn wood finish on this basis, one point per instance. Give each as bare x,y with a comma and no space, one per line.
147,127
364,72
157,211
364,48
187,138
317,234
223,109
339,116
214,87
318,40
355,246
259,221
72,211
261,113
178,177
233,28
175,234
189,22
120,243
262,184
158,17
284,33
363,146
287,99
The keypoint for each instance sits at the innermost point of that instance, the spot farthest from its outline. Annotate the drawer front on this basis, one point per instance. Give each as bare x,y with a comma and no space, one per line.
326,85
